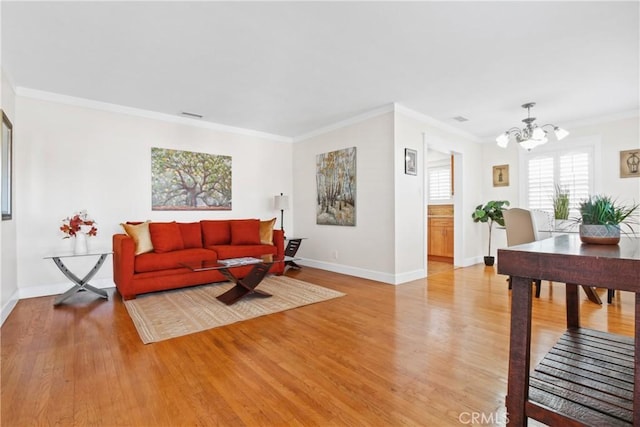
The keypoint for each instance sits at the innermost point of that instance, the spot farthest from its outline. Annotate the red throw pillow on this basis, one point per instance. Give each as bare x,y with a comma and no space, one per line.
215,232
165,237
245,232
191,234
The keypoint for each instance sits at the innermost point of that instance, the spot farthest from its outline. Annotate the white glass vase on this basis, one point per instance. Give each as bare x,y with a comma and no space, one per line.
80,240
80,243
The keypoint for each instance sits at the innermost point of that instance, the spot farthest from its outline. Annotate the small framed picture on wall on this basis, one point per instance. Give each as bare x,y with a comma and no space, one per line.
630,164
410,161
501,176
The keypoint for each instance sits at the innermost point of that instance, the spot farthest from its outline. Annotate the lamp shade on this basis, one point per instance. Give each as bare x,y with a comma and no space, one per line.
281,202
560,133
538,134
529,144
503,140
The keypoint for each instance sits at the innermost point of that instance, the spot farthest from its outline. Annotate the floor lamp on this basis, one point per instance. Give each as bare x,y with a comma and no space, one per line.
281,203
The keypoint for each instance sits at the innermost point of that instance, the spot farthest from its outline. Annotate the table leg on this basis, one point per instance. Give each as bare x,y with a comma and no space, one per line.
591,294
246,285
519,351
573,307
80,284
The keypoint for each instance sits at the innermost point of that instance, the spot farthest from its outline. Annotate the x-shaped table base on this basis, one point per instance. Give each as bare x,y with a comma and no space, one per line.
80,284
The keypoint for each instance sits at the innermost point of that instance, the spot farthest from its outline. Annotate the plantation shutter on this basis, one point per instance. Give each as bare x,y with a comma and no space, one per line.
440,183
571,170
541,183
574,176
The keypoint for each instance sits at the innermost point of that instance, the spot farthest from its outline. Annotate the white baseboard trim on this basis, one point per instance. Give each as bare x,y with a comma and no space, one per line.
8,307
378,276
59,288
410,276
473,261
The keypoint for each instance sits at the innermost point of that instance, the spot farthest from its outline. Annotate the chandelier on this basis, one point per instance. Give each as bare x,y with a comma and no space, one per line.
531,135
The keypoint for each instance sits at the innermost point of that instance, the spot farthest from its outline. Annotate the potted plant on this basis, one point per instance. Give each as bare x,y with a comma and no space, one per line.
561,203
489,213
600,220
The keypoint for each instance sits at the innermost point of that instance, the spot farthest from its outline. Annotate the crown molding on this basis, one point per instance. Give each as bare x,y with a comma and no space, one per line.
428,120
115,108
591,121
392,107
347,122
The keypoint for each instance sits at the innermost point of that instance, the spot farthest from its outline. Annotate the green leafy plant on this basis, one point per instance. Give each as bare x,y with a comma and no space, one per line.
603,210
561,203
489,213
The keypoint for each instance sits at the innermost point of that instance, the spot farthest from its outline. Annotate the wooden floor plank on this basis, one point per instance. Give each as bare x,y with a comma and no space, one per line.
426,353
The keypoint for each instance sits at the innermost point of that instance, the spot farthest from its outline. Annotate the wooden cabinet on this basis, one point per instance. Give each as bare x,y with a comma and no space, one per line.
440,229
441,237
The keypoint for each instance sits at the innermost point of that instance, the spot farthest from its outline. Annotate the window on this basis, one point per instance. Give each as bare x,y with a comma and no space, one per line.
570,169
440,182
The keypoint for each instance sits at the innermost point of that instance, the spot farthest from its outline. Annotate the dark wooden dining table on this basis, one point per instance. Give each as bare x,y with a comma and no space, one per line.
589,377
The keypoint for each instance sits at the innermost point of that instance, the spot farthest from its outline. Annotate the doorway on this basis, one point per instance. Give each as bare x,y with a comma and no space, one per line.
440,200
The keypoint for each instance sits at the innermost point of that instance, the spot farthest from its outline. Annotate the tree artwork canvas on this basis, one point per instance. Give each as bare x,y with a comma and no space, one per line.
336,187
186,180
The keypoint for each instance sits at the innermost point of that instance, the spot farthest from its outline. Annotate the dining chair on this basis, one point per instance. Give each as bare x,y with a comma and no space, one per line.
543,224
520,229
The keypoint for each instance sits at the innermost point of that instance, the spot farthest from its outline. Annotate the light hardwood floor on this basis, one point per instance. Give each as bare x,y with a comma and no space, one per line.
428,353
437,267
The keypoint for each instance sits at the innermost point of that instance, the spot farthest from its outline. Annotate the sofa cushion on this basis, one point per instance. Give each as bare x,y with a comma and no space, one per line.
163,261
139,232
165,237
191,234
215,232
266,231
245,232
237,251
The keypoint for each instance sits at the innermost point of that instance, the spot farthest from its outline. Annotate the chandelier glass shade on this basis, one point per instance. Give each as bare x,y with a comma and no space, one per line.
531,135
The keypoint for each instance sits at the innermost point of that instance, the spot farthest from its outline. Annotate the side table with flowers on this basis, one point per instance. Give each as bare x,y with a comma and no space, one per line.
79,226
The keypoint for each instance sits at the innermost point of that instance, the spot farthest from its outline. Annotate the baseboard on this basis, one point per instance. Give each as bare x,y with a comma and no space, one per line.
8,307
59,288
378,276
472,261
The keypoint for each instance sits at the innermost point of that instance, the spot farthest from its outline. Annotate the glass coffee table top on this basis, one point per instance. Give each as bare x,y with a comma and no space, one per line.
235,262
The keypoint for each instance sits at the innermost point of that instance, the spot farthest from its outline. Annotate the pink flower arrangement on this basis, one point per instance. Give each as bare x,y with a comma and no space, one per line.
80,222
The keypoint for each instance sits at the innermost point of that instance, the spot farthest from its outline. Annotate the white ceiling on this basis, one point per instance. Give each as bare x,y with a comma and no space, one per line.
288,68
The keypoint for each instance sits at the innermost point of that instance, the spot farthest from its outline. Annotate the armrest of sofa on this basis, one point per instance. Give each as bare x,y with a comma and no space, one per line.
278,241
123,261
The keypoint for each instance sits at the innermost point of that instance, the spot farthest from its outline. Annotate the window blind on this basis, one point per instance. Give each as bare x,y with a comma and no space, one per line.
440,183
571,170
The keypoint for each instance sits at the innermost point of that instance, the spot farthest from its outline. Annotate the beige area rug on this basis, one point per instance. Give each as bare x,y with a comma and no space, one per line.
163,315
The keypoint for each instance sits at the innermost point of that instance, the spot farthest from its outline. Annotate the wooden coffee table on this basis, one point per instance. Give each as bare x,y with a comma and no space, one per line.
247,285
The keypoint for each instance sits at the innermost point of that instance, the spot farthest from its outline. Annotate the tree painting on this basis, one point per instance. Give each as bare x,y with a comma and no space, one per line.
336,187
185,180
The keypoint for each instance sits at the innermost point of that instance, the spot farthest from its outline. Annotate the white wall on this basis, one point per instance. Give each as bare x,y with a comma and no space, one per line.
71,157
367,249
8,267
388,242
414,130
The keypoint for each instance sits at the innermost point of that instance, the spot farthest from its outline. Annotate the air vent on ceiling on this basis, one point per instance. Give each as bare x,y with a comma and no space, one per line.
197,116
460,119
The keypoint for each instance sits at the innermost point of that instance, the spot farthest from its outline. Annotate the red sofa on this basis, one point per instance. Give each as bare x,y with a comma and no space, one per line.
139,268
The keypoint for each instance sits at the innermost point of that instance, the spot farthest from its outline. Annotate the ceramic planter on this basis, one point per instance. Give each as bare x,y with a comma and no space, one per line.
600,234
